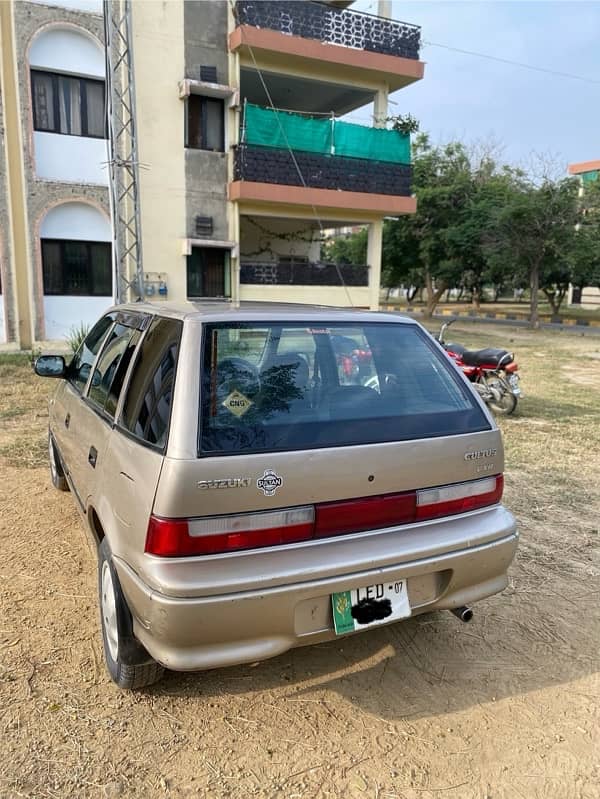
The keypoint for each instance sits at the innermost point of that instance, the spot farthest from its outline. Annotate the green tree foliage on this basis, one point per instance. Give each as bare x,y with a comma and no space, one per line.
349,249
534,234
442,245
481,223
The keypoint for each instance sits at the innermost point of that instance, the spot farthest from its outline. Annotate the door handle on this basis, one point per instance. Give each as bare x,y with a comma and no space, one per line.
92,457
67,420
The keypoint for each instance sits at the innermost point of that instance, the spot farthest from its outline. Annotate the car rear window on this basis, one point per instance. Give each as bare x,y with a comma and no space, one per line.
287,386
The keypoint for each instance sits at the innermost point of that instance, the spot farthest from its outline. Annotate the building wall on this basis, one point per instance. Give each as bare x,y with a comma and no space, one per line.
13,221
355,296
266,238
56,168
159,66
590,298
4,271
206,173
75,221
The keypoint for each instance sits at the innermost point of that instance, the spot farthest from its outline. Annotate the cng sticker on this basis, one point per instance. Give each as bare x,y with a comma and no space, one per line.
237,404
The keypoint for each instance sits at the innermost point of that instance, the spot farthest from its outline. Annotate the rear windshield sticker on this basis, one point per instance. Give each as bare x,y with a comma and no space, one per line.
269,483
237,403
318,331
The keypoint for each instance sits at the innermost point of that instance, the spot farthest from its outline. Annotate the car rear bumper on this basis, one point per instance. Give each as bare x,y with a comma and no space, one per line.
193,633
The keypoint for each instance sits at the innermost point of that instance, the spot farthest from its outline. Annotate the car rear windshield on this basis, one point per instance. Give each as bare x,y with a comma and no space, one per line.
285,386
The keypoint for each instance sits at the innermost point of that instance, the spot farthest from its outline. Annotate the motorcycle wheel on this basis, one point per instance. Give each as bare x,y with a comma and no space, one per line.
503,401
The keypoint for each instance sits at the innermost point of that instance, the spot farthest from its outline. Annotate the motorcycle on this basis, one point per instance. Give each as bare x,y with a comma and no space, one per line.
493,372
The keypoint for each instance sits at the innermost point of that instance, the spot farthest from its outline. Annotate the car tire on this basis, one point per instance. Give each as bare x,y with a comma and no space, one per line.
128,663
57,474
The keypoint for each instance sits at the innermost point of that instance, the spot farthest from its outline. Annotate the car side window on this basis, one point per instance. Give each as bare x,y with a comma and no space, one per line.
83,360
104,386
147,406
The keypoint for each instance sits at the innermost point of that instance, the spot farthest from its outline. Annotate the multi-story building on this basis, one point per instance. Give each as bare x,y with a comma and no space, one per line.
55,253
244,160
587,172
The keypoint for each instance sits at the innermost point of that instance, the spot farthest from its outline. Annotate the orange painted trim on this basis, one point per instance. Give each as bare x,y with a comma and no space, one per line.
384,204
263,39
584,166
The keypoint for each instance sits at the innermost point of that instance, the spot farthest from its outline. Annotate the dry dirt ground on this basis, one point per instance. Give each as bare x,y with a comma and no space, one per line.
504,708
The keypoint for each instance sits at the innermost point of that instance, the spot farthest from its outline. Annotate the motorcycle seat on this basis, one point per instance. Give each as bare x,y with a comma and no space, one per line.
489,355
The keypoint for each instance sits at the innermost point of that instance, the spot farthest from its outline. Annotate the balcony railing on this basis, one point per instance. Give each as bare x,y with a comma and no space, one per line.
269,165
292,149
332,25
303,274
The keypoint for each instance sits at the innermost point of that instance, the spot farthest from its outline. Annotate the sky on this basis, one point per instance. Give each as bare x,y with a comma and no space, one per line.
469,98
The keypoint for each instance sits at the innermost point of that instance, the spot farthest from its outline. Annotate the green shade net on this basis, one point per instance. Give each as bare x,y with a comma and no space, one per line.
376,144
270,128
280,128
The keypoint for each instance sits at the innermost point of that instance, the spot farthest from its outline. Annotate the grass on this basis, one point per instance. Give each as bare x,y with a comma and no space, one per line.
504,306
23,412
26,452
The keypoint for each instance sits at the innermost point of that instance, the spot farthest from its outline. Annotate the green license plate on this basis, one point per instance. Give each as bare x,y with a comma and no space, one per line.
369,606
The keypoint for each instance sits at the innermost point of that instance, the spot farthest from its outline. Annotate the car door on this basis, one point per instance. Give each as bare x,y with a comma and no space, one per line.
98,404
67,405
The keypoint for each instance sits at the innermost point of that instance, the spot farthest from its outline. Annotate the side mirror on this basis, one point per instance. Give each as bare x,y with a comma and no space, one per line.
50,366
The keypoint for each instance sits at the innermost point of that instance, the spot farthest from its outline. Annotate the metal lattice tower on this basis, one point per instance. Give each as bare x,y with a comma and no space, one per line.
123,156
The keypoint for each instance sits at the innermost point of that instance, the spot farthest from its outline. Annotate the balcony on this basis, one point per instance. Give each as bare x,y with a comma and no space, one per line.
336,46
334,164
265,273
331,25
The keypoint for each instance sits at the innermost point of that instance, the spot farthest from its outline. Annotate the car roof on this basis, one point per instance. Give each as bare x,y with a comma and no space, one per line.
219,311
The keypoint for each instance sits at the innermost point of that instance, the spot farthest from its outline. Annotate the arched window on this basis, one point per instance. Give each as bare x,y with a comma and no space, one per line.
76,251
67,83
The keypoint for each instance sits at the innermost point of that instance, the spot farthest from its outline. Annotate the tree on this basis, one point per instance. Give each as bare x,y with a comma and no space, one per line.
473,229
415,248
444,244
533,233
347,249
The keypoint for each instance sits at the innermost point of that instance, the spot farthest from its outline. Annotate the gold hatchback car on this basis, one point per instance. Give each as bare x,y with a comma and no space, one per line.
269,476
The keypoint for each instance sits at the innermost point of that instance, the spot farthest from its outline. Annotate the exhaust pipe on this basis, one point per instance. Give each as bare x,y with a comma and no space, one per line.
463,613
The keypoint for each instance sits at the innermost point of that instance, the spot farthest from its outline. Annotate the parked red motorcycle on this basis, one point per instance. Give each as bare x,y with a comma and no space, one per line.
493,372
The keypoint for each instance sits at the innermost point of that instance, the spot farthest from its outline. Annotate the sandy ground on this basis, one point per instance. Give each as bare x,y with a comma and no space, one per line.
507,707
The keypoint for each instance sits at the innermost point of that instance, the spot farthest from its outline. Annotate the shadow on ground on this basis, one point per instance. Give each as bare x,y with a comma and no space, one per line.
433,663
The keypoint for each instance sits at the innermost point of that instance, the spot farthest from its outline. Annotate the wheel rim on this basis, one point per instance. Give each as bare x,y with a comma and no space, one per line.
505,402
52,456
109,612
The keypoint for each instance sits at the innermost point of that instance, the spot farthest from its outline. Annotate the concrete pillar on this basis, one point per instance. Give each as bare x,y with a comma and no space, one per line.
234,234
384,9
380,107
233,135
374,248
18,223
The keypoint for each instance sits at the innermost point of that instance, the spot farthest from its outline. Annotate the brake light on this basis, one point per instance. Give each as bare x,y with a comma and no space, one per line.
512,367
338,518
459,498
181,537
215,534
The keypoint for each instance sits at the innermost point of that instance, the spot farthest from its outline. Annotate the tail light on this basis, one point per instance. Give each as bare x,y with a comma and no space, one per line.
215,534
459,498
180,537
512,367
